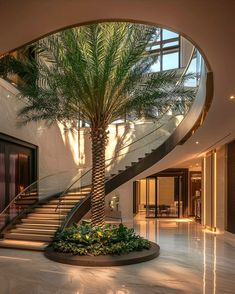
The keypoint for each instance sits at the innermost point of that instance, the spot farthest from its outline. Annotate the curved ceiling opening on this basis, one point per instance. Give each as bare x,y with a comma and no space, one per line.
158,70
165,51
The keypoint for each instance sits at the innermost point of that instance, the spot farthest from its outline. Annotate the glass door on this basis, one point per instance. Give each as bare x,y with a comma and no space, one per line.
168,196
151,205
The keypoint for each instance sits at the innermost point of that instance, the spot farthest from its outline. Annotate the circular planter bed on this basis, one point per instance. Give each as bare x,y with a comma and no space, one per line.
104,260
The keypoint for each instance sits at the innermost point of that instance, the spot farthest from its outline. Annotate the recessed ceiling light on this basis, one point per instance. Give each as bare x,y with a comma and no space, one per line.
197,142
197,164
232,97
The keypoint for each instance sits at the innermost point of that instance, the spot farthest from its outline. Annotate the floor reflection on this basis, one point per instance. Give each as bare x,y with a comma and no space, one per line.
192,260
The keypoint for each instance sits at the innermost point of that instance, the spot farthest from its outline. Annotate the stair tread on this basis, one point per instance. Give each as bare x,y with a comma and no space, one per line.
32,230
38,214
53,212
73,197
54,205
32,221
56,202
38,227
44,217
21,244
24,234
29,236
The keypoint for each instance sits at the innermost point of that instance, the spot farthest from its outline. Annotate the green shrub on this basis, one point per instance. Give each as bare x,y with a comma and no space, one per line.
88,240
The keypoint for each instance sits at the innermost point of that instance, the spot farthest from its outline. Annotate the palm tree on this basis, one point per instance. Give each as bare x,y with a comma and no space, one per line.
99,73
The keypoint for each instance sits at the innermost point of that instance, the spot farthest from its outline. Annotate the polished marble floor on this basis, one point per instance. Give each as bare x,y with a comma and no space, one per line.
191,261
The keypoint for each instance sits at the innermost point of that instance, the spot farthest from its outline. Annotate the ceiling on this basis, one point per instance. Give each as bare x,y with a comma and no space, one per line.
209,24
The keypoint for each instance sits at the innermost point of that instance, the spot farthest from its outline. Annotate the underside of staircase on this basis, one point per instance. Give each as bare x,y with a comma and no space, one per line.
36,229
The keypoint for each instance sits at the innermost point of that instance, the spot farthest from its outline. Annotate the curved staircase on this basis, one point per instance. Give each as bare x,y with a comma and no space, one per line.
32,218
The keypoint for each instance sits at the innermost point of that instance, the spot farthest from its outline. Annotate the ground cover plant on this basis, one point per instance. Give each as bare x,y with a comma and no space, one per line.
86,239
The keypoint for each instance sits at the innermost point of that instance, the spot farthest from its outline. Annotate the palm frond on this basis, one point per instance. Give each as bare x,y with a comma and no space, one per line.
103,72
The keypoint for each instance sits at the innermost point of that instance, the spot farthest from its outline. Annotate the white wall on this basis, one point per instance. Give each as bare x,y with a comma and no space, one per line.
59,150
55,147
125,193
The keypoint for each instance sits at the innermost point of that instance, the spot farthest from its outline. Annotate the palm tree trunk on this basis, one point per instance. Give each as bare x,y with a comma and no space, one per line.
98,138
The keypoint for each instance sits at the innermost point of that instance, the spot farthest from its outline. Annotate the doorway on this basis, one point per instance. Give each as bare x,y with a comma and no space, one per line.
17,169
195,194
163,195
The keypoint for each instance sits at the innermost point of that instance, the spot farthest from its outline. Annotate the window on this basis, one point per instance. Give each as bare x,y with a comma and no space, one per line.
167,47
170,61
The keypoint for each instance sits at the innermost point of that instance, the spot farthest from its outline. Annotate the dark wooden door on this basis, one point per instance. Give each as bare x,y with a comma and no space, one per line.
16,170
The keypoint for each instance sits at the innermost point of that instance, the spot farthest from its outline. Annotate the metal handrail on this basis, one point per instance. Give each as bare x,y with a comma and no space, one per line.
28,187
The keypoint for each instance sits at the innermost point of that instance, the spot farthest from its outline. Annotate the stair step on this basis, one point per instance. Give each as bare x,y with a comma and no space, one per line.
64,201
40,231
71,197
54,206
23,205
45,216
77,193
30,237
52,210
27,198
38,226
34,221
24,202
28,245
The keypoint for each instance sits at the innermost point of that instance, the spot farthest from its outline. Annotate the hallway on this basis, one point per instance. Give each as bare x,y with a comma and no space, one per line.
191,261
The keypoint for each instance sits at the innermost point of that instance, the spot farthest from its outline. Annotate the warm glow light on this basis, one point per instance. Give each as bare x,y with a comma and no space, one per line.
197,142
232,97
197,164
214,267
215,196
15,258
204,190
204,263
209,230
